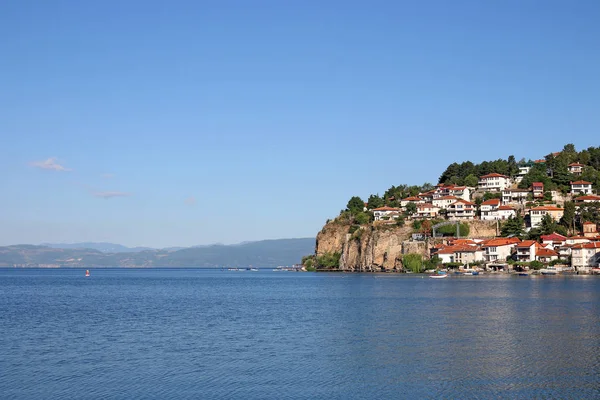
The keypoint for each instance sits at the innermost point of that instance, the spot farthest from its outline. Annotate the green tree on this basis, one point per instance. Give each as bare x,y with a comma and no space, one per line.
513,226
568,218
375,201
489,195
355,205
411,209
328,261
547,225
362,218
400,221
471,180
413,262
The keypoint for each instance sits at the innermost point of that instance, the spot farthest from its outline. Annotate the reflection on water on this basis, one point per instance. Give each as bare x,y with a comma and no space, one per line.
223,334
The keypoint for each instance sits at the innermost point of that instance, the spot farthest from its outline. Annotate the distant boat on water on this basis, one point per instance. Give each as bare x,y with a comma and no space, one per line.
439,275
87,272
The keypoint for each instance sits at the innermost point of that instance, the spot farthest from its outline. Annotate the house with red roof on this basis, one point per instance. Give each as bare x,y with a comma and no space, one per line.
537,188
526,250
553,240
426,211
444,201
411,199
386,213
462,253
498,249
545,255
576,168
461,209
585,256
493,182
590,198
581,187
489,209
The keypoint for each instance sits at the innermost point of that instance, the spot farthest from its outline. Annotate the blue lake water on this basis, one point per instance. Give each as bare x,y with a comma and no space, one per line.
191,333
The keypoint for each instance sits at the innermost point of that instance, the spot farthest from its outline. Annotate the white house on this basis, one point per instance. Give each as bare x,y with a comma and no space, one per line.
537,188
581,187
545,255
461,209
505,212
576,168
526,250
464,254
411,199
499,249
461,192
489,209
515,196
585,256
444,202
427,210
383,213
537,213
523,170
494,182
553,240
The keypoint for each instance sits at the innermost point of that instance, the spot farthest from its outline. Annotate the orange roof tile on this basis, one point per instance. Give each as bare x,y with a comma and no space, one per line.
386,208
581,183
493,175
496,242
546,253
527,243
491,202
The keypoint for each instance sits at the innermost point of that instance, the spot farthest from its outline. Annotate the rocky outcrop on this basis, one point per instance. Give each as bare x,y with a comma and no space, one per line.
371,248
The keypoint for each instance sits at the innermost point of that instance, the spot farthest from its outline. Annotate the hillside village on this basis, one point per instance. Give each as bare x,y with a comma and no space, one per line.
551,222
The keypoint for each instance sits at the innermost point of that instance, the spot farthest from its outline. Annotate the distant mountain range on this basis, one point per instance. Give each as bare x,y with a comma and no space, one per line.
265,253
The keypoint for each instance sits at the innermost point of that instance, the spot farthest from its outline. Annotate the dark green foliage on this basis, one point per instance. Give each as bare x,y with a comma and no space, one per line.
458,173
309,262
536,265
328,261
589,212
375,201
400,221
568,218
471,180
355,205
433,262
450,230
411,208
489,195
413,262
514,226
547,196
362,218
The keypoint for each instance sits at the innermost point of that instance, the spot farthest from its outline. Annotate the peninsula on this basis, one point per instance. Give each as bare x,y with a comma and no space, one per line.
504,215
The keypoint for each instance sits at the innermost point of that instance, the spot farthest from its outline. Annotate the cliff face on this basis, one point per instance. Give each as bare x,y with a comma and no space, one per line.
380,247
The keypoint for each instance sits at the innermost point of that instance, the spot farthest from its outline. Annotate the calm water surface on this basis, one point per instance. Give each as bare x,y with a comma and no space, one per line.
124,334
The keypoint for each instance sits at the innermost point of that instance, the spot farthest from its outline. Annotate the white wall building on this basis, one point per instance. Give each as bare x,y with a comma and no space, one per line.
581,187
585,256
494,182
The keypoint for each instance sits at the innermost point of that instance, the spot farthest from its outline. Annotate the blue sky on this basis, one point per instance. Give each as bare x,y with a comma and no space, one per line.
193,122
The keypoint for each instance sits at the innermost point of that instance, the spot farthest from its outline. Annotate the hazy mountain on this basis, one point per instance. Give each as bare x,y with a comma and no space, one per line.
100,246
266,254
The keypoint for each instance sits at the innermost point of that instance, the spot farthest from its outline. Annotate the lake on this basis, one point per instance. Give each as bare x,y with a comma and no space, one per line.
211,334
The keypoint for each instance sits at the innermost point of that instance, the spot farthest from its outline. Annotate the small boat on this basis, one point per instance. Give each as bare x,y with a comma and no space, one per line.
548,272
523,274
439,275
87,272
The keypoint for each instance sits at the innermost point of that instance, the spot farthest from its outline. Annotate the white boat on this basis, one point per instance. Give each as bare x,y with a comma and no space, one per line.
438,276
549,271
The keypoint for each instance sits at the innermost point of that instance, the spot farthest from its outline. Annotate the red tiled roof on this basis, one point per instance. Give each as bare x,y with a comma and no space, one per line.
553,236
591,197
526,243
591,245
426,205
541,160
547,208
581,183
493,175
576,164
546,253
491,202
506,208
501,242
537,184
589,223
459,249
412,198
468,203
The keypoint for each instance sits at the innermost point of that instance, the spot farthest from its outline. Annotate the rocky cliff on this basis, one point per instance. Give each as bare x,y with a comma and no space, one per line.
379,247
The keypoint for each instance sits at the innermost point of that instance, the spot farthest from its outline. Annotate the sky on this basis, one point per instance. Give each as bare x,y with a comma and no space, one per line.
178,123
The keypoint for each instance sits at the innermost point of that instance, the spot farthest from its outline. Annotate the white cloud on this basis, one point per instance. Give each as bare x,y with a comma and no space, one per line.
110,194
190,201
50,163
